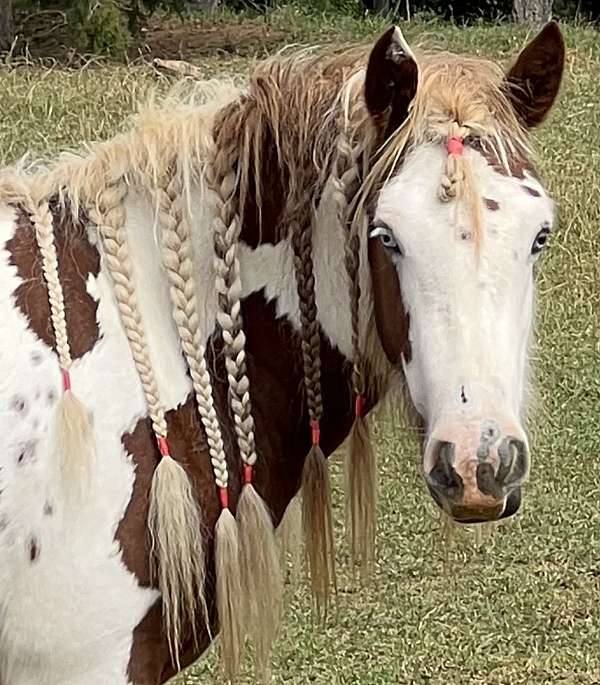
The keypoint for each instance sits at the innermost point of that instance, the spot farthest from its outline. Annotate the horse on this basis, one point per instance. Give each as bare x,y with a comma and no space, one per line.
198,312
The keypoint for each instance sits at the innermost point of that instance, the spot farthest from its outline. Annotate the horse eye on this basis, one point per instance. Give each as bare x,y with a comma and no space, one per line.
386,236
540,240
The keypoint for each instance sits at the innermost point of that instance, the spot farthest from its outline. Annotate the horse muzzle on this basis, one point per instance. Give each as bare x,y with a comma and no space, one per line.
477,479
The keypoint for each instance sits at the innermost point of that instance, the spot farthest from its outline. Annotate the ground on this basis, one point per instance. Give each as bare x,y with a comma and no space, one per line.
522,606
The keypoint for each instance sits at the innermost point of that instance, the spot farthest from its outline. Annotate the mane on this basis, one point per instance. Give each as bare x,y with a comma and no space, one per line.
300,121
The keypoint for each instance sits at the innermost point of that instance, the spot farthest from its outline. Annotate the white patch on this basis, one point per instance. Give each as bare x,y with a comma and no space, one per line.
271,268
469,320
67,617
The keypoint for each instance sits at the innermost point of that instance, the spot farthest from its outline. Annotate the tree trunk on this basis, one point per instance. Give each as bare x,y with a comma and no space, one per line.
6,24
532,11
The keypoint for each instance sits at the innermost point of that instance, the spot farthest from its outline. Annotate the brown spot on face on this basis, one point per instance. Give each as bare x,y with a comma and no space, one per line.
48,509
77,259
532,191
492,205
51,397
34,550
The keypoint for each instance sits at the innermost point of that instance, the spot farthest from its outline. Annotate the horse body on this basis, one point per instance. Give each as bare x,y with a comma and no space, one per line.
76,576
331,321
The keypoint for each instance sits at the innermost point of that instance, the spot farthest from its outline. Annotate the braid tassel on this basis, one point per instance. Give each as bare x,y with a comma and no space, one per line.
229,588
317,522
260,571
175,525
74,434
361,492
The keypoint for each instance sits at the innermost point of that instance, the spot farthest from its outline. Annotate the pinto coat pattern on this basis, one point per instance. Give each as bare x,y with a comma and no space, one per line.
243,280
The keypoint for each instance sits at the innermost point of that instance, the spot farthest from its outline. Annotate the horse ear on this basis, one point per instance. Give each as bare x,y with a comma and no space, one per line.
534,80
391,81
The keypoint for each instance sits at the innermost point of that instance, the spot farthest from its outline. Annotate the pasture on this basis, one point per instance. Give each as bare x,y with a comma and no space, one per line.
521,606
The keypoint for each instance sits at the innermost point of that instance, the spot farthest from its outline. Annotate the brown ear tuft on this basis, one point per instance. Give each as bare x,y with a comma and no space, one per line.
534,80
391,81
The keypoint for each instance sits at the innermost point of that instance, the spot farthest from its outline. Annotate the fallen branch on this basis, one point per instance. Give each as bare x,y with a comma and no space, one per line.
178,67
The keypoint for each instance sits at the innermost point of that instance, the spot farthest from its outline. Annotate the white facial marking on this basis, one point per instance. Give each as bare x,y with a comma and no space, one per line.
470,316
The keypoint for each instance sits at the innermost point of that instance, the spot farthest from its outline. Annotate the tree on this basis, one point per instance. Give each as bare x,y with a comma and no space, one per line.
532,11
6,24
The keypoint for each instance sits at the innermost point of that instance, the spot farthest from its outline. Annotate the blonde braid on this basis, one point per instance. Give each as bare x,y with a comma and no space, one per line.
174,520
178,263
259,562
41,218
459,182
73,430
453,174
361,463
229,289
110,216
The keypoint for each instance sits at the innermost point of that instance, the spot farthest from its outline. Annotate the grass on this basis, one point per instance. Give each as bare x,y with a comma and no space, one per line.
522,607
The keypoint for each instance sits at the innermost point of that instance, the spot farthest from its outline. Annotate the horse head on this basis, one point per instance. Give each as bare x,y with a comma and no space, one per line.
457,221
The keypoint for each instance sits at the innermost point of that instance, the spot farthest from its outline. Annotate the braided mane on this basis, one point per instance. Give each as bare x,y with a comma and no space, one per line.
302,121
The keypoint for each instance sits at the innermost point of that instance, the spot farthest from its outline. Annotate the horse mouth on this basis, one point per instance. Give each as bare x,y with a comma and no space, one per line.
469,516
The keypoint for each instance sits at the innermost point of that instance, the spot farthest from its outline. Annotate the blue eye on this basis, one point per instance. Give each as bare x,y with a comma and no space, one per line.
386,236
540,240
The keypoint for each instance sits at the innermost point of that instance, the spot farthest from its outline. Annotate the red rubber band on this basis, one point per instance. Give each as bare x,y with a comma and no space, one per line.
316,432
247,474
66,379
163,446
455,146
224,498
359,406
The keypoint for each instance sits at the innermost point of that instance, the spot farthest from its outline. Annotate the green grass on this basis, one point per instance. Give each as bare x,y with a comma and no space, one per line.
522,607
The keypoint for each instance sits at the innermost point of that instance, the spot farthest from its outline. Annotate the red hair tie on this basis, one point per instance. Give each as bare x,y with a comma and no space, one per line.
316,432
455,146
224,498
66,379
163,446
247,474
359,406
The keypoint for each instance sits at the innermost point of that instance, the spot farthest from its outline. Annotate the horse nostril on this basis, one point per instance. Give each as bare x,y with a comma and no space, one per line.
442,477
513,502
513,463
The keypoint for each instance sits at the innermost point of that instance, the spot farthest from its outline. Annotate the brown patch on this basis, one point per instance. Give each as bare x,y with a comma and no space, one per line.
392,320
532,191
492,205
77,259
283,440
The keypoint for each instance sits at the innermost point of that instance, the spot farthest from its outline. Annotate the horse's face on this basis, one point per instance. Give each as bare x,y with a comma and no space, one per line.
454,306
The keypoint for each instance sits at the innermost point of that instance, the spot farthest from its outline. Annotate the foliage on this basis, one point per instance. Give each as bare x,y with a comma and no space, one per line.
100,28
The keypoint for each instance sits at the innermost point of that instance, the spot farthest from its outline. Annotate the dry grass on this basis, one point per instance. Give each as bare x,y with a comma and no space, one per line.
523,607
